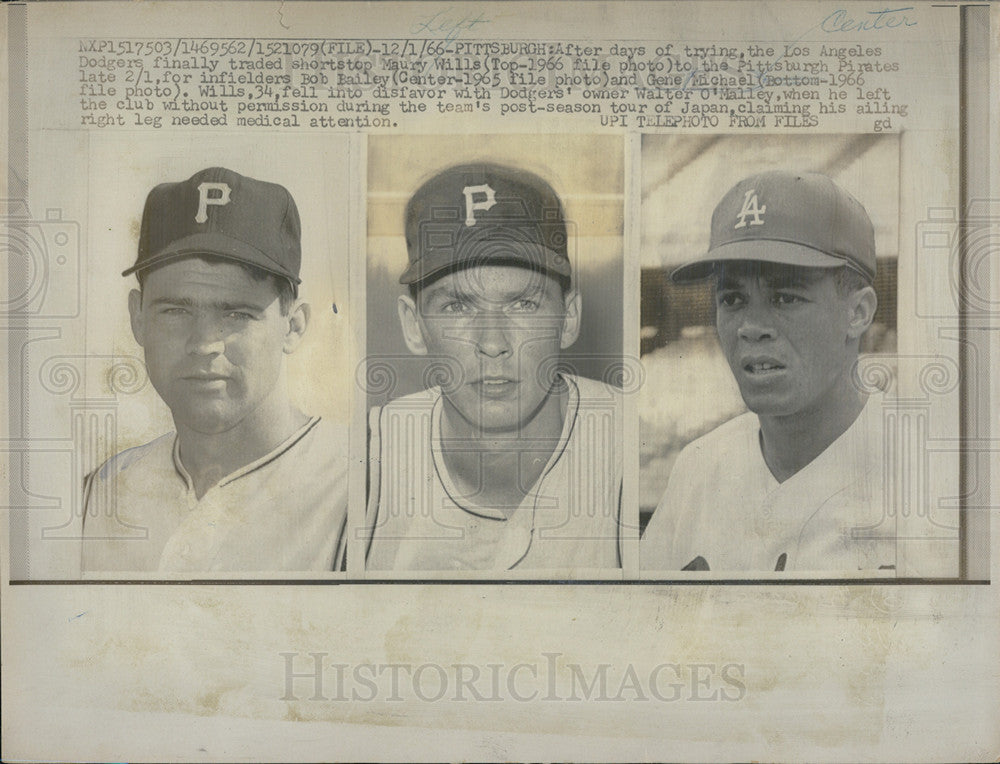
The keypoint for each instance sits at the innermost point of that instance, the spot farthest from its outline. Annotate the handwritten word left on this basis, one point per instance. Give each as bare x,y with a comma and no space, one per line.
446,25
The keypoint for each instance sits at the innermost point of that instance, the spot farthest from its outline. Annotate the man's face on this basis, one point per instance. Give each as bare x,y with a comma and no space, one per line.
788,334
499,327
214,341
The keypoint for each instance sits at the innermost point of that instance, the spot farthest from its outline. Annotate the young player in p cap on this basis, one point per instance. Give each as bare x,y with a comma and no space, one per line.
507,463
796,484
247,482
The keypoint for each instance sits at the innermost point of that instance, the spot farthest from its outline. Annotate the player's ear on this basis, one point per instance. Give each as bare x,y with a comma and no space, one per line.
135,314
409,322
571,319
298,321
862,304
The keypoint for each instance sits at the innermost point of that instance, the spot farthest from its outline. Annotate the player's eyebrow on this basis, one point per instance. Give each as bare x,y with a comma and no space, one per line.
532,289
247,306
727,281
444,292
187,302
790,279
183,302
454,292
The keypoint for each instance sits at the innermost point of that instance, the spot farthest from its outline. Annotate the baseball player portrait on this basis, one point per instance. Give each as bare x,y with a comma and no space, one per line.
246,481
794,484
507,459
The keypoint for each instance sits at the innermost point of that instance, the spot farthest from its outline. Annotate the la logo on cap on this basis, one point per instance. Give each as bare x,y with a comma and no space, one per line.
204,199
471,206
751,208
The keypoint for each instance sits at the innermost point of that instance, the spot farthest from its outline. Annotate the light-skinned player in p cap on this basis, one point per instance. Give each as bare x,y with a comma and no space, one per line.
247,482
490,475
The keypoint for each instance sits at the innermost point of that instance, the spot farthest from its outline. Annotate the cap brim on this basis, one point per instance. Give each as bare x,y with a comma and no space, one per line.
762,250
213,244
535,257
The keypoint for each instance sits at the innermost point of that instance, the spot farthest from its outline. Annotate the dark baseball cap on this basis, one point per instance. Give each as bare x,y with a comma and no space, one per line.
484,214
790,218
221,213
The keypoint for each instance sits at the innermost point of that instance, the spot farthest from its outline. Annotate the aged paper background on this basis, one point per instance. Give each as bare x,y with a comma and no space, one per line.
619,671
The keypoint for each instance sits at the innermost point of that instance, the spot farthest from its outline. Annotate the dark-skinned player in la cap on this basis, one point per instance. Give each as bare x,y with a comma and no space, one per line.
795,484
247,482
507,463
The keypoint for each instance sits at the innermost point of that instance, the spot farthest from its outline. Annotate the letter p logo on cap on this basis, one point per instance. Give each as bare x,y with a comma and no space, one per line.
204,199
471,206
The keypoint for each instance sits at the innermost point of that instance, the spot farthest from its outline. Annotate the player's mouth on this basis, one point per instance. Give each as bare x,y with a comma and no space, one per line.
762,367
496,387
206,379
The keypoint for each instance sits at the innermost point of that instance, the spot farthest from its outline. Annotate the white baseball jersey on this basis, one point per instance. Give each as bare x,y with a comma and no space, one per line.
568,520
723,505
285,511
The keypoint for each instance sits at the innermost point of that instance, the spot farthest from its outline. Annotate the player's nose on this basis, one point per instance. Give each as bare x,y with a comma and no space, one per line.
206,336
491,335
755,323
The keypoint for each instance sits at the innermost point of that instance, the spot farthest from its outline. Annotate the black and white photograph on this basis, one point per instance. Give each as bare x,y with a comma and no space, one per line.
495,367
499,381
